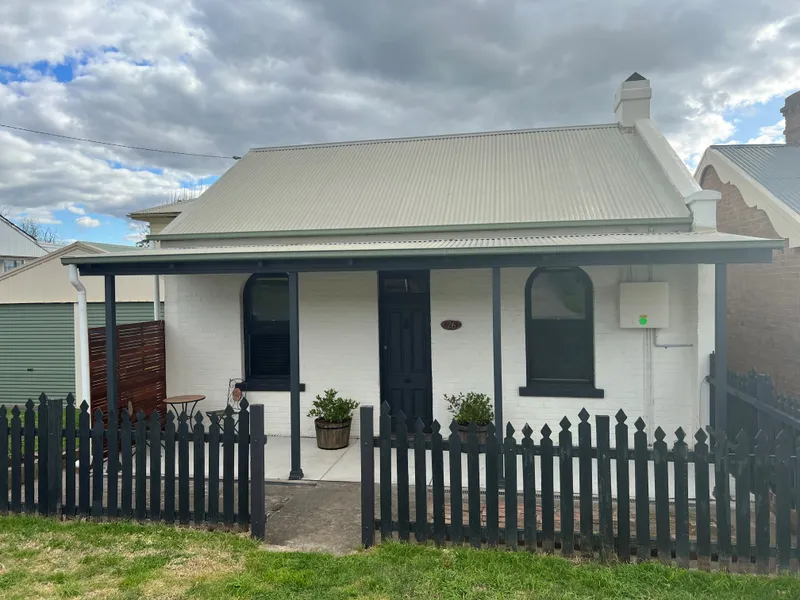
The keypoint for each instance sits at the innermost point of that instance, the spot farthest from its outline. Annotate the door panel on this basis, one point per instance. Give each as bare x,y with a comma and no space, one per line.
404,304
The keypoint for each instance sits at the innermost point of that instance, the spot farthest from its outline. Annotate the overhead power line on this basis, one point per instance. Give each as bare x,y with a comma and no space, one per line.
78,139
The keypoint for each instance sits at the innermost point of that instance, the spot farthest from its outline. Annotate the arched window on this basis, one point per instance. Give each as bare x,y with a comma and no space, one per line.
559,333
266,332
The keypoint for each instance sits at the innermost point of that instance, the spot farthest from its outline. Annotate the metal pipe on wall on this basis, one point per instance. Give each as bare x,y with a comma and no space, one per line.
83,331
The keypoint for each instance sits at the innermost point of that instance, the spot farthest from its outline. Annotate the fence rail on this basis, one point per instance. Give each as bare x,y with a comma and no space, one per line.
148,477
610,511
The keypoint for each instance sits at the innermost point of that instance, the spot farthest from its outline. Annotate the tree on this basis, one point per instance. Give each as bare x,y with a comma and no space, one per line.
34,228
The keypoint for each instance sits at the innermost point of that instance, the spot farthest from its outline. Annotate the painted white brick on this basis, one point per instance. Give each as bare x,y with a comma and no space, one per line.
339,345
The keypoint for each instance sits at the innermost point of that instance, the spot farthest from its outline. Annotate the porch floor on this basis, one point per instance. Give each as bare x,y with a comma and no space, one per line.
345,466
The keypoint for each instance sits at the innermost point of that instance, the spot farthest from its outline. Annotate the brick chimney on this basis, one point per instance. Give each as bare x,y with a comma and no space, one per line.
791,111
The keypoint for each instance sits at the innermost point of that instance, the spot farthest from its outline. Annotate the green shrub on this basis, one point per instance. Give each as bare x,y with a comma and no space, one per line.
332,408
470,408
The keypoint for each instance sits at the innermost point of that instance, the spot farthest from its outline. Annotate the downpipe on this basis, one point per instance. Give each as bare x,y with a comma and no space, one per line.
83,327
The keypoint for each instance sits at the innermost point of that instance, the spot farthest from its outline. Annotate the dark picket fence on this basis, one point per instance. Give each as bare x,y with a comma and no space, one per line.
721,525
59,462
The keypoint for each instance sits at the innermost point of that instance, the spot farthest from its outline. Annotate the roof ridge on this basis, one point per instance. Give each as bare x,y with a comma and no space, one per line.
421,138
753,146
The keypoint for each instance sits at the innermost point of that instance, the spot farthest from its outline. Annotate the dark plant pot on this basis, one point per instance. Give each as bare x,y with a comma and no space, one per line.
463,433
332,436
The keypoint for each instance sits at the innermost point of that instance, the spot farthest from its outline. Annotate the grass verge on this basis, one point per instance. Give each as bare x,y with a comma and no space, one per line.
44,558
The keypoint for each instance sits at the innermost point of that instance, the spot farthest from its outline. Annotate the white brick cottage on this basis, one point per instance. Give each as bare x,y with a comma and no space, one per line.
579,265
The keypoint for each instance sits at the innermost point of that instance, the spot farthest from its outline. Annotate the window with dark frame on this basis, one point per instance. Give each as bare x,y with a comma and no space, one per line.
266,332
559,334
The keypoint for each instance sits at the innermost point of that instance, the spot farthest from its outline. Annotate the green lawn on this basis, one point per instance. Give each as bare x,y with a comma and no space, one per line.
43,558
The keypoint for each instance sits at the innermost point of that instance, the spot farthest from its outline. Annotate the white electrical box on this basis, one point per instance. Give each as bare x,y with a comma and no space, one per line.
644,305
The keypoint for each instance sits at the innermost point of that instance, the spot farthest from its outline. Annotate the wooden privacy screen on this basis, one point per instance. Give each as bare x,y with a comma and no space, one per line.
142,367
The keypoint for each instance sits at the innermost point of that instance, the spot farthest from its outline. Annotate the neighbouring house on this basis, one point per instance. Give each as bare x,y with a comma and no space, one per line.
39,321
16,246
552,269
760,188
158,217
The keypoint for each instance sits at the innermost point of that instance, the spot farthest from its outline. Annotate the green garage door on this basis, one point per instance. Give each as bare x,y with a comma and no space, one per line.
37,346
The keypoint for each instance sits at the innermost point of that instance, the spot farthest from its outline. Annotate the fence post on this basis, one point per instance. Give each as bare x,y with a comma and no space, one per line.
54,410
367,478
258,487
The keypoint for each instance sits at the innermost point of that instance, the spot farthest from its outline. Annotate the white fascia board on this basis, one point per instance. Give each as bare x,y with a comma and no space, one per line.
701,202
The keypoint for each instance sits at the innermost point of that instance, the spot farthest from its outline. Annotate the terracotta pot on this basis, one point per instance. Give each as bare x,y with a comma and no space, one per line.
332,436
463,433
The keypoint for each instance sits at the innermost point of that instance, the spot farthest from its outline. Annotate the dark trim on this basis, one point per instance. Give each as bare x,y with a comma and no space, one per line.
561,390
386,299
265,385
534,387
296,471
721,348
246,325
419,263
497,352
112,355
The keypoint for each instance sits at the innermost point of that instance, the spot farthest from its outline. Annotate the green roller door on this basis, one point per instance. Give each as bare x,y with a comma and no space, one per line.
37,346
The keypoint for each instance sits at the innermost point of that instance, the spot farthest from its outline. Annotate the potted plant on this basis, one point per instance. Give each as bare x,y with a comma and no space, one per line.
334,416
470,408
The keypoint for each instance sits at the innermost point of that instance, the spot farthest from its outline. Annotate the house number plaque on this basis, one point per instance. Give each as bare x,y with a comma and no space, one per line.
451,325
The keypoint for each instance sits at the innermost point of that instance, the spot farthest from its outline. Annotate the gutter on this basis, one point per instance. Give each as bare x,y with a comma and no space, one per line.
184,256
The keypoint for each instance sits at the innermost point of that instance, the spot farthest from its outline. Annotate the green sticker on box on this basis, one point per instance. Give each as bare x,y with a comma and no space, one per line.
642,319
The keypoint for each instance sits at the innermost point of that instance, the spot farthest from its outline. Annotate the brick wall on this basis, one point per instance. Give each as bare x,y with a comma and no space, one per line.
339,345
763,299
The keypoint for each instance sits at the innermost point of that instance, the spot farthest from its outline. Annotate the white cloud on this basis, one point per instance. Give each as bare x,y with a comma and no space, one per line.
216,77
770,134
88,222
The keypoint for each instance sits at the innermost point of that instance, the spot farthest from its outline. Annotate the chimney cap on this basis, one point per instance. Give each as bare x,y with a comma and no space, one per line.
635,76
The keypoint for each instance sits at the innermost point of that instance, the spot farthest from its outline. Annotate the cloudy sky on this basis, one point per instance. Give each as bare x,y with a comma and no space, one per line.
217,77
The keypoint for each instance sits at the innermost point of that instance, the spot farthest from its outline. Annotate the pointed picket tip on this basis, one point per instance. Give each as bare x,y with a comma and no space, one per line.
15,411
510,430
640,424
435,427
124,417
762,436
783,435
140,416
565,424
243,404
491,429
213,417
154,418
228,412
170,417
198,418
473,428
527,431
2,411
84,406
419,426
401,417
29,404
660,434
700,436
42,398
583,415
70,399
454,426
546,431
385,408
680,434
621,416
742,437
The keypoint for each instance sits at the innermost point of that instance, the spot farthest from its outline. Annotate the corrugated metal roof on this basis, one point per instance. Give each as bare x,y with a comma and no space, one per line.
171,208
566,175
452,246
774,166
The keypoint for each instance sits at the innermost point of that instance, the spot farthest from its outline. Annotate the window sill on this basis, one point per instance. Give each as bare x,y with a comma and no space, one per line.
562,390
261,385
